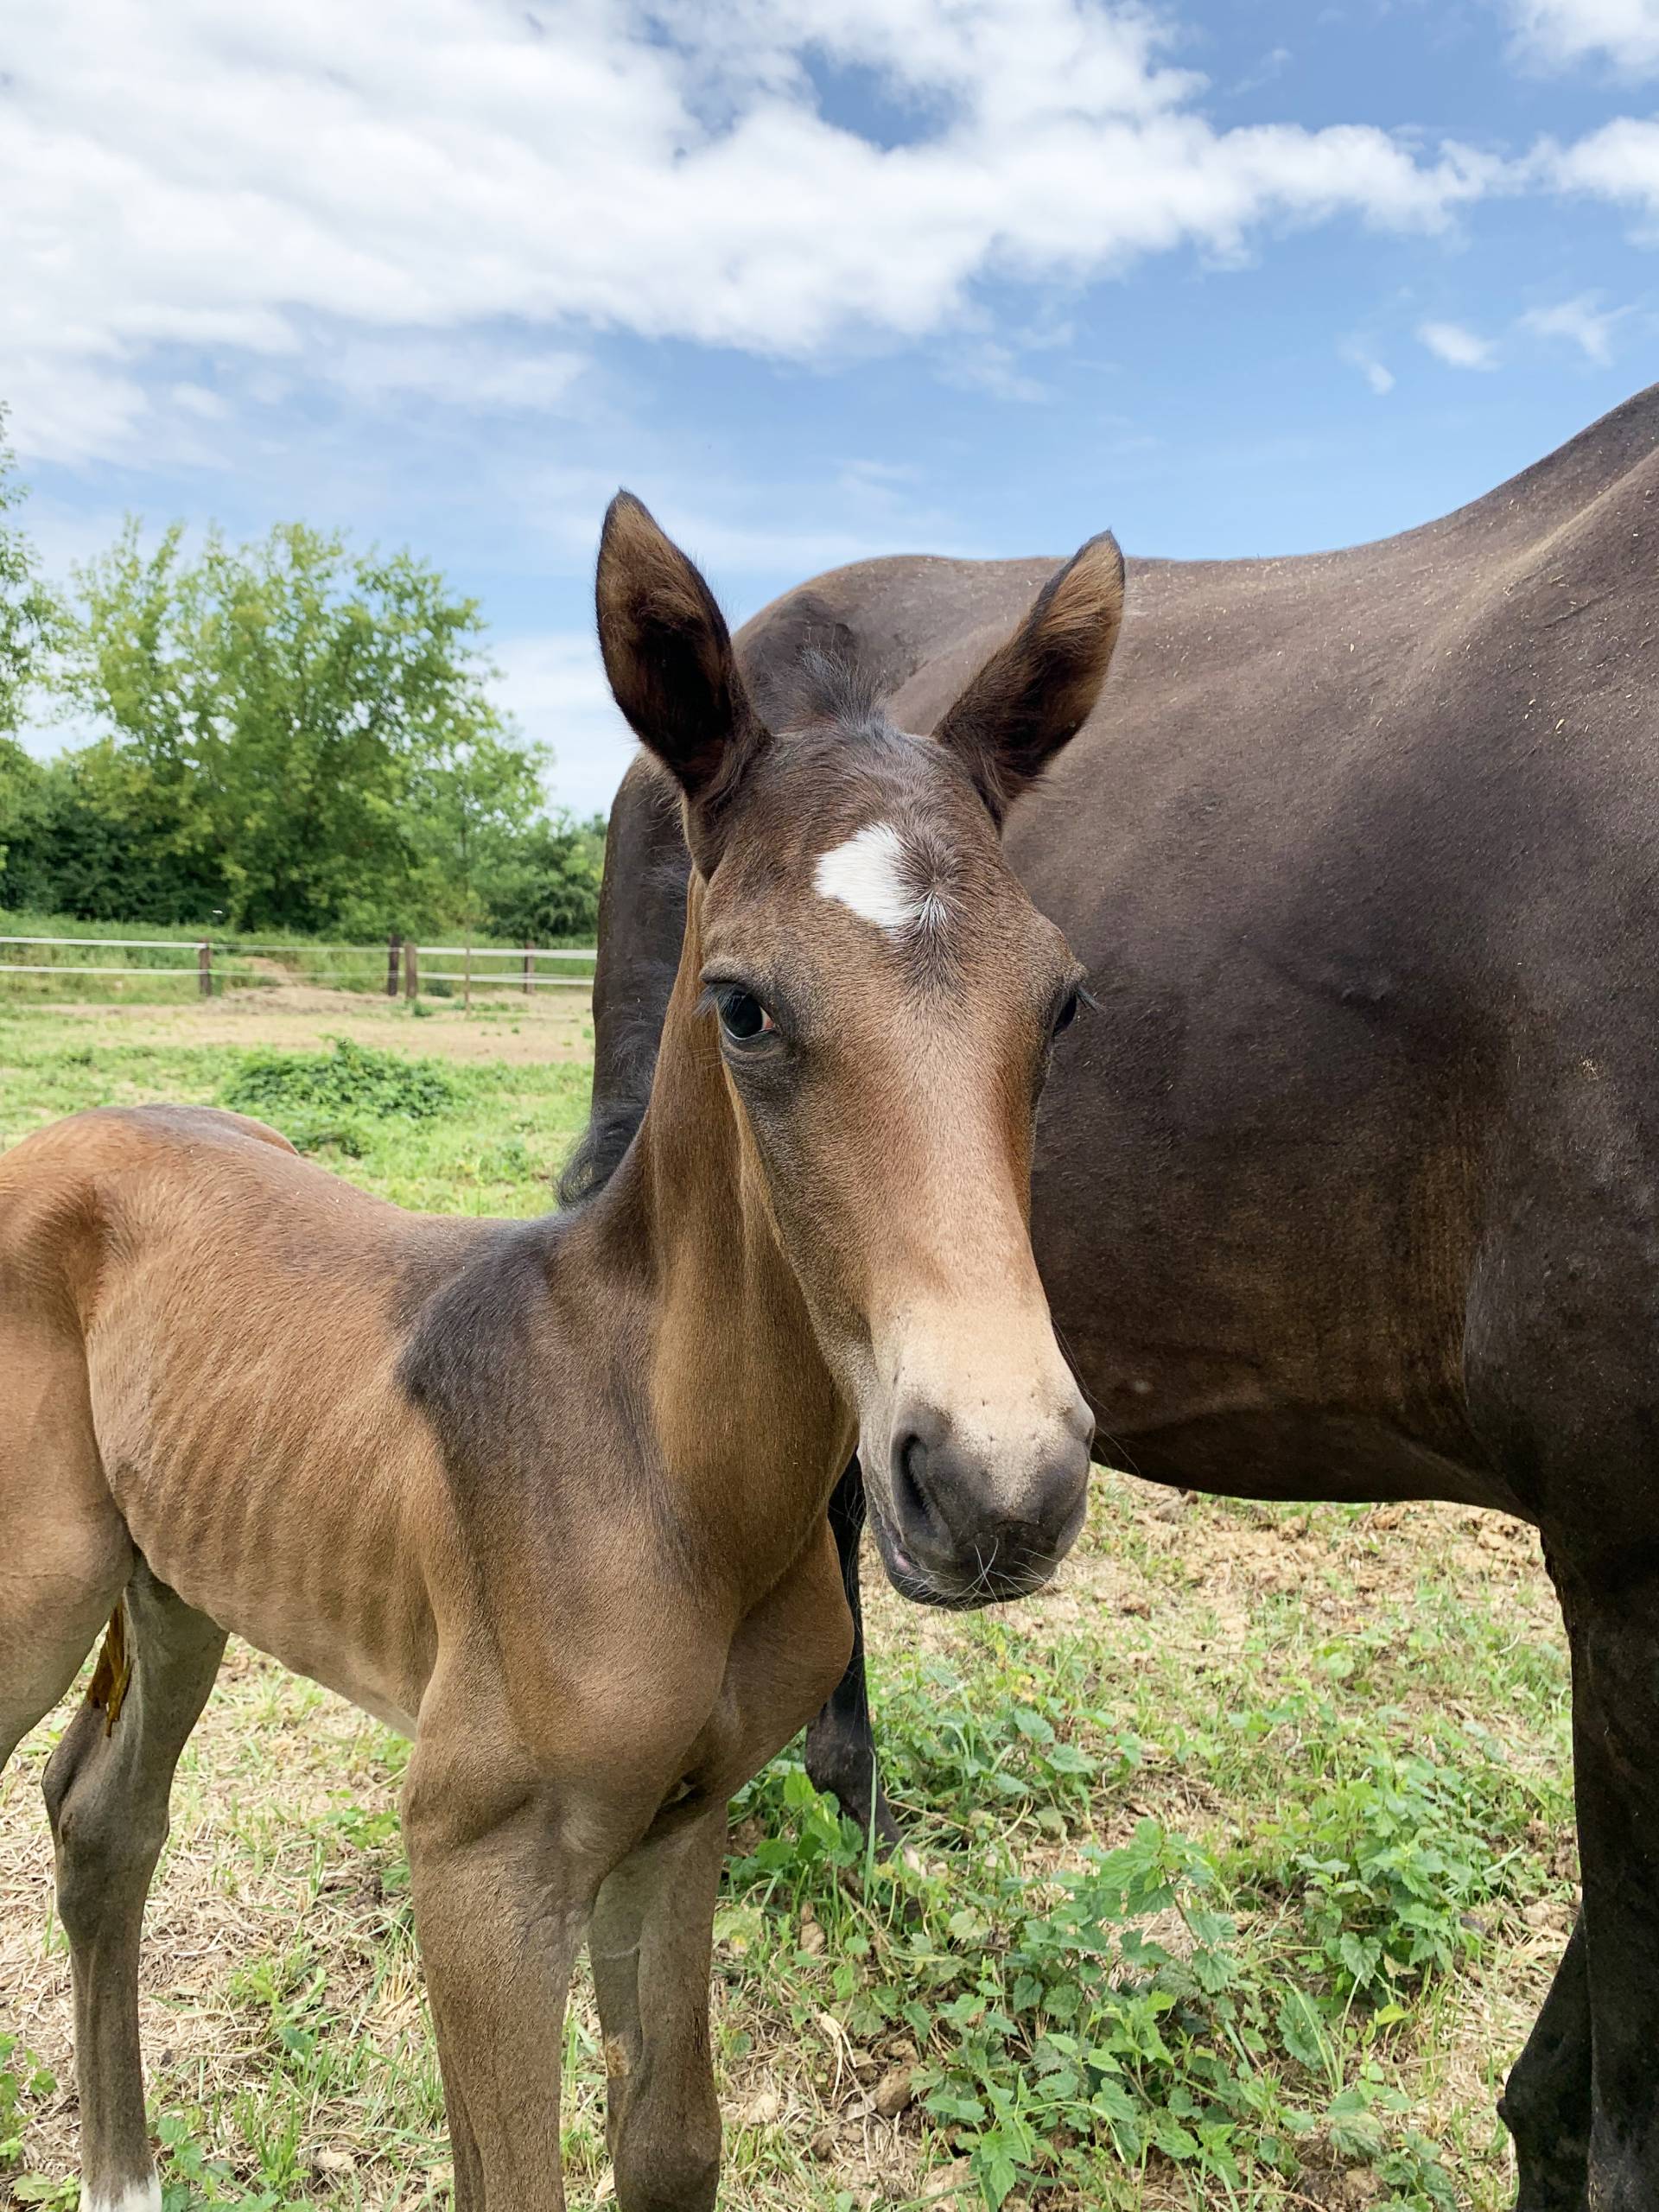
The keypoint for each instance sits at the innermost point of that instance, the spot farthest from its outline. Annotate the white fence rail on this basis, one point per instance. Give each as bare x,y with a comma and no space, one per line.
212,965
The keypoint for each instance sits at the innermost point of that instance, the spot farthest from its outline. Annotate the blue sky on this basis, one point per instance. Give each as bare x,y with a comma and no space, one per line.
817,278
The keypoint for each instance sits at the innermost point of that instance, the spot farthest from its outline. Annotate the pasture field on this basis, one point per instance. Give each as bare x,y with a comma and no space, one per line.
154,964
1241,1857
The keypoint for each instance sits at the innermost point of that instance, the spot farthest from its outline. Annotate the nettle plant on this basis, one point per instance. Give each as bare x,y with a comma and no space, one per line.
1226,2013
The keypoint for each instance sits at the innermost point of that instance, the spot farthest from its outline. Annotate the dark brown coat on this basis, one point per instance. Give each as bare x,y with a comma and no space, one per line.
1348,1187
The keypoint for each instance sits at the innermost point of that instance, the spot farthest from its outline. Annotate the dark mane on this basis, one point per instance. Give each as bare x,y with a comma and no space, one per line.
602,1144
828,683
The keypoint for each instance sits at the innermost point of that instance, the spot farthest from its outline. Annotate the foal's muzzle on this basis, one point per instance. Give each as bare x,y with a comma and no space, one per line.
961,1528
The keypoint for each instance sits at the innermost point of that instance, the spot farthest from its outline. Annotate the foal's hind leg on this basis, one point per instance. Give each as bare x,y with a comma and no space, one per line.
106,1791
65,1553
1546,2102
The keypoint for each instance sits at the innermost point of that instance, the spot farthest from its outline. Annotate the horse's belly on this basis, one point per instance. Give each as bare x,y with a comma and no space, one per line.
327,1610
1306,1452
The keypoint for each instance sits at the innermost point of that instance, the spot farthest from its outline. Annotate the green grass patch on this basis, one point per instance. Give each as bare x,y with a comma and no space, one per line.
1227,1859
486,1138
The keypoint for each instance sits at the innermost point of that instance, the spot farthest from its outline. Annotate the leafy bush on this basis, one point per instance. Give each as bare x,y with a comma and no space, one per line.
543,889
1389,1862
1222,2010
336,1097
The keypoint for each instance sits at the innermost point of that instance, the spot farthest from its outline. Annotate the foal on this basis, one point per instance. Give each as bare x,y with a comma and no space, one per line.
550,1496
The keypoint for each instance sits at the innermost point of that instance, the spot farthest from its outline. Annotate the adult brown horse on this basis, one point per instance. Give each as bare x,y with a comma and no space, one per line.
552,1495
1347,1187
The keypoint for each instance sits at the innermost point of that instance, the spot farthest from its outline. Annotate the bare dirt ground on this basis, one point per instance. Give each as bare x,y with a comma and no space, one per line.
552,1025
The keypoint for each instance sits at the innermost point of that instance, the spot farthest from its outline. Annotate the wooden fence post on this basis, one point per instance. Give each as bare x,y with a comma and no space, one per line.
205,969
393,946
412,971
527,970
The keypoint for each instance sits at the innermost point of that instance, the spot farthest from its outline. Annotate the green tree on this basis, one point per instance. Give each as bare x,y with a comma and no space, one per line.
97,840
544,886
313,726
28,611
474,803
29,630
21,780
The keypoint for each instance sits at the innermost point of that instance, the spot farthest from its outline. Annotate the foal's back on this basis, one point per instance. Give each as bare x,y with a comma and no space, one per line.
184,1302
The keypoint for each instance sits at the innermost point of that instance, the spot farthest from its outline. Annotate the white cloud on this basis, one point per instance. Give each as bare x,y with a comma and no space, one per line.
1581,323
1625,31
416,173
1458,347
468,371
985,365
1620,162
1359,356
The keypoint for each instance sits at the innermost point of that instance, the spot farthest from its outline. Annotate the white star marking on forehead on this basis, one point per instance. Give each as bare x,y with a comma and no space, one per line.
878,877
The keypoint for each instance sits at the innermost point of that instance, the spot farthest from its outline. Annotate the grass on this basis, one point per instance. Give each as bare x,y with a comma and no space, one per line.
1241,1857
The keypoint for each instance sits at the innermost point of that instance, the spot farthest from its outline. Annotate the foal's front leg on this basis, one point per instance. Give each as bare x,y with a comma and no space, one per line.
652,1931
649,1944
503,1866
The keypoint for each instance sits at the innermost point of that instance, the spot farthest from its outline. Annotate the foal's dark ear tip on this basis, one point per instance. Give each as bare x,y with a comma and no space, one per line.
1101,551
625,507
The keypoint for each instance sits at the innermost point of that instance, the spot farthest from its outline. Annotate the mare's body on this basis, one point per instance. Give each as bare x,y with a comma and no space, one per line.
1350,1187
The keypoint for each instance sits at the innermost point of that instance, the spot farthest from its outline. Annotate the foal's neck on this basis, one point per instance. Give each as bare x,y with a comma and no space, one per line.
746,1415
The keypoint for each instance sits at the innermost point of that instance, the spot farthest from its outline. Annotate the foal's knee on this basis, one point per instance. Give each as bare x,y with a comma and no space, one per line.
680,2174
665,2144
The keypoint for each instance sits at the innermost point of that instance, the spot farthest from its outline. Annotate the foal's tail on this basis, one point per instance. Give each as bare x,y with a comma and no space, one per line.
113,1672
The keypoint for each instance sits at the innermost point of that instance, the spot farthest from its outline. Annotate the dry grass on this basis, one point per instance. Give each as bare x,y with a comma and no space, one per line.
283,1868
283,2021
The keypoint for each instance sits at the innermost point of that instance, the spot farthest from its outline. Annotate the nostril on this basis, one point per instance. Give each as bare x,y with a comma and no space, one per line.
909,1475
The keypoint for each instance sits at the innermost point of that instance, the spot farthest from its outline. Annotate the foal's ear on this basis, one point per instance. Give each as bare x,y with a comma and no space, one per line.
668,658
1036,692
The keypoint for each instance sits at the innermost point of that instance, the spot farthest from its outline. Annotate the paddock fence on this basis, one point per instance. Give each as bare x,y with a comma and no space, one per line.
399,967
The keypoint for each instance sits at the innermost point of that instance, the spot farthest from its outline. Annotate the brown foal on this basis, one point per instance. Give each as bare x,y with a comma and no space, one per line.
550,1496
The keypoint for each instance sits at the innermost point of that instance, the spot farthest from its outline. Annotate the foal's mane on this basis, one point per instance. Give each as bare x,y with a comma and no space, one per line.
818,684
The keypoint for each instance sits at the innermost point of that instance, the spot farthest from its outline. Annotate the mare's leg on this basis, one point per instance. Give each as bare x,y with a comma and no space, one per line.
1612,1620
841,1755
1559,1360
106,1791
1546,2102
649,1944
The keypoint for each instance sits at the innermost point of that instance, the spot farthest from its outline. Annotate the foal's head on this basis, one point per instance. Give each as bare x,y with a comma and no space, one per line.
886,1000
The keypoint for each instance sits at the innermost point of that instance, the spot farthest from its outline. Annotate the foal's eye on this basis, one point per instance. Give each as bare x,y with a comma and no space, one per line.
742,1015
1067,1014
